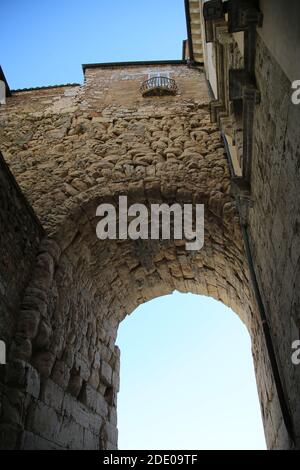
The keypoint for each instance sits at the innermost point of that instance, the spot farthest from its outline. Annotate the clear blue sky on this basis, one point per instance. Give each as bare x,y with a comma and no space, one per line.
44,42
187,378
187,374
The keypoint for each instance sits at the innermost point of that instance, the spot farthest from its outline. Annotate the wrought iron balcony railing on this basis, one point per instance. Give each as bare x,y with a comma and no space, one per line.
158,86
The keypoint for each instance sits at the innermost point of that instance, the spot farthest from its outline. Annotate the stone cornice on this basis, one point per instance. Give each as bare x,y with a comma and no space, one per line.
237,91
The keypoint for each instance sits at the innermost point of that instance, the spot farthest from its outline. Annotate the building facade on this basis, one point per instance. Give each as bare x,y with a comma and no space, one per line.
218,128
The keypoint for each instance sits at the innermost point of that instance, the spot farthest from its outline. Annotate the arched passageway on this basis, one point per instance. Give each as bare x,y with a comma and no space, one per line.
82,151
82,289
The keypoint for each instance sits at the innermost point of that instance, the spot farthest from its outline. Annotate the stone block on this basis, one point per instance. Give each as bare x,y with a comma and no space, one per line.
52,395
94,400
90,440
70,435
31,441
106,373
43,421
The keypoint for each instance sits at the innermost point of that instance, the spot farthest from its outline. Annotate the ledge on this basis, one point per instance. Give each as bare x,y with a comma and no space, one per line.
133,64
45,87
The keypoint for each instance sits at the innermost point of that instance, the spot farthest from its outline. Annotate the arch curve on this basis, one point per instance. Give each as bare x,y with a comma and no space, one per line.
82,288
87,151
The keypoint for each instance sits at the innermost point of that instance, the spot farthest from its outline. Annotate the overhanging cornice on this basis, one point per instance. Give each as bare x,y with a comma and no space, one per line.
133,64
194,31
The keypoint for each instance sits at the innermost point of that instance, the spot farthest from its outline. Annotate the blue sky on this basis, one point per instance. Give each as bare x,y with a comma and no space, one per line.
45,42
187,376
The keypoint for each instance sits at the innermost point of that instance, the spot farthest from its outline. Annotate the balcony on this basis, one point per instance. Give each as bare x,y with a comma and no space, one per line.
158,86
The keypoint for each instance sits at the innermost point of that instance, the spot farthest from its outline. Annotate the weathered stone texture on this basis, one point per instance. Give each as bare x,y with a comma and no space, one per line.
71,149
20,233
275,220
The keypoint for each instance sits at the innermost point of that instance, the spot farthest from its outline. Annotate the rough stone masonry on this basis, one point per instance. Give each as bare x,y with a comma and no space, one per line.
71,148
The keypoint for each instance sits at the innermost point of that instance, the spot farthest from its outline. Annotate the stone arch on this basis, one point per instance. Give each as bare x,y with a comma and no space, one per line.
63,374
82,288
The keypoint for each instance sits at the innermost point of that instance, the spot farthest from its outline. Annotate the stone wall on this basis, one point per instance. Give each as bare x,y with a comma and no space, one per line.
20,233
274,223
72,148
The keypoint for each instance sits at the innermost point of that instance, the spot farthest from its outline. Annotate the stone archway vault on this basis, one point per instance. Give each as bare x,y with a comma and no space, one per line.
72,148
82,288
